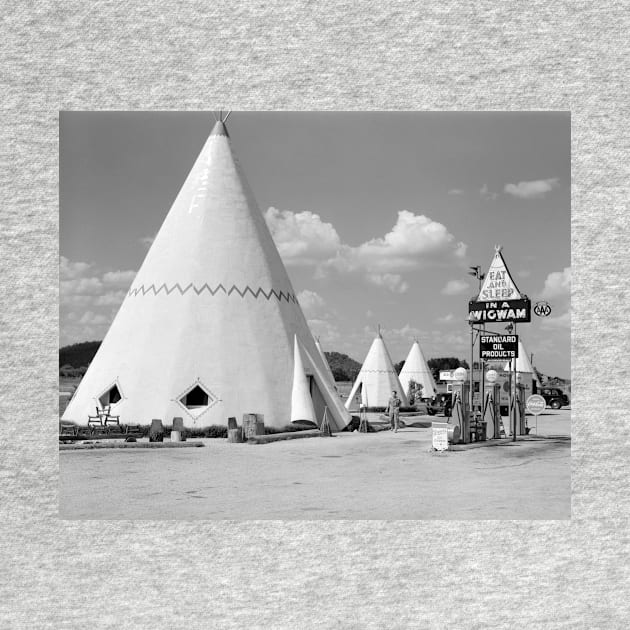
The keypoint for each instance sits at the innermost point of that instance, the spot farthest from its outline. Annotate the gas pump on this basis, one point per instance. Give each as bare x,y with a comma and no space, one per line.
492,406
461,407
517,408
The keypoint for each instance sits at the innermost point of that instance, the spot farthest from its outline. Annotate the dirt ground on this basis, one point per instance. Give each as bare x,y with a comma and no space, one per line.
384,475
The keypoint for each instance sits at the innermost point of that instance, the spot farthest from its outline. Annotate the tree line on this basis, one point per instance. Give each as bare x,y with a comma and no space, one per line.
74,360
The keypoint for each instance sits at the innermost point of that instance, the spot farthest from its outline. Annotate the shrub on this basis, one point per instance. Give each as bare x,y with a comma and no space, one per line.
215,431
288,428
138,431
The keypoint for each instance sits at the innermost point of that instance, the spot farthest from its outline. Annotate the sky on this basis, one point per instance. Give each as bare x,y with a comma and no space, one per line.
377,216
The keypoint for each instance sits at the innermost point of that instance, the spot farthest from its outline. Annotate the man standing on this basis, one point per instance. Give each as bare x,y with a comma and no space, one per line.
393,409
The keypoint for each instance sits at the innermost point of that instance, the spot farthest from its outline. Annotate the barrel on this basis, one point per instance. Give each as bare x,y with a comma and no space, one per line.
235,436
453,433
156,431
253,424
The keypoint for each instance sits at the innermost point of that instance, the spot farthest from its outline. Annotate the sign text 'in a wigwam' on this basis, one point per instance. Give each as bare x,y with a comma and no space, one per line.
504,311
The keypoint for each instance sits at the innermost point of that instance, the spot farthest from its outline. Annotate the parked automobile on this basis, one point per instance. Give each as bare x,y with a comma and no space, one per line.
555,398
440,404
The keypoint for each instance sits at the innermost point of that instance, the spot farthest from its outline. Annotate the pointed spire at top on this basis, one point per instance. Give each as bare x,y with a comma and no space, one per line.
219,128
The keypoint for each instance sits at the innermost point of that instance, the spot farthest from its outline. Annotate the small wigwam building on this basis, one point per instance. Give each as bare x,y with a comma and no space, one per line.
417,370
211,326
377,378
523,364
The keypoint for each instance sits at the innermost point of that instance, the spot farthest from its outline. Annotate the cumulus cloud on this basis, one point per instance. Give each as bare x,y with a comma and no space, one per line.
405,332
414,242
557,285
320,318
391,281
119,278
327,331
302,238
455,191
90,318
531,189
80,286
310,301
89,298
69,270
455,287
111,298
446,319
562,321
484,191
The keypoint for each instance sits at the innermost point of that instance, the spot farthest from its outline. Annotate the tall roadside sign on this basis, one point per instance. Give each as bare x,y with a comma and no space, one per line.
499,301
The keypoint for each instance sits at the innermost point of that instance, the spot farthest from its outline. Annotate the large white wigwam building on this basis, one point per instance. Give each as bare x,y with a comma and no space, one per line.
211,327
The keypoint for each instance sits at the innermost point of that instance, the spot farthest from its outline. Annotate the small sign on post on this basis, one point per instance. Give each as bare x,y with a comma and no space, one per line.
535,404
440,436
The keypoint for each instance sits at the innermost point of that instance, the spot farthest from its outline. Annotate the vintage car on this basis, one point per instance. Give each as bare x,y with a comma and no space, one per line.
555,398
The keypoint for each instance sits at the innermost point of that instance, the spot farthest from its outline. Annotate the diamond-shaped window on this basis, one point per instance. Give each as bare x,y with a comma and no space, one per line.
110,397
195,398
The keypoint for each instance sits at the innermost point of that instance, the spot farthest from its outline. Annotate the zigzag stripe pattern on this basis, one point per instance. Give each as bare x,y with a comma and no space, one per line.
379,371
279,295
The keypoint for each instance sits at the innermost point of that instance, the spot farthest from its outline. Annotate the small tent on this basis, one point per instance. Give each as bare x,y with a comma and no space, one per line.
416,369
377,378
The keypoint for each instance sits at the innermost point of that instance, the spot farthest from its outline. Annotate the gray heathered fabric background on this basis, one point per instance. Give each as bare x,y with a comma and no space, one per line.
329,55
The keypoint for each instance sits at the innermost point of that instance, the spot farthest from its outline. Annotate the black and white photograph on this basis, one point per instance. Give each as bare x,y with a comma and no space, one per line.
315,315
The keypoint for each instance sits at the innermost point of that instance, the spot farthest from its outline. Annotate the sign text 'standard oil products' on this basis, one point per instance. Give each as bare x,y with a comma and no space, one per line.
499,346
501,311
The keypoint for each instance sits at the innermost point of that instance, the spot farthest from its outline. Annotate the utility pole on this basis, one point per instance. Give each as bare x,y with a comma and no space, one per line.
476,272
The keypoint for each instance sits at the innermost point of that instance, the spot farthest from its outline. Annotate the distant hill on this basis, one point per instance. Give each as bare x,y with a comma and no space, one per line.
79,354
555,381
342,366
